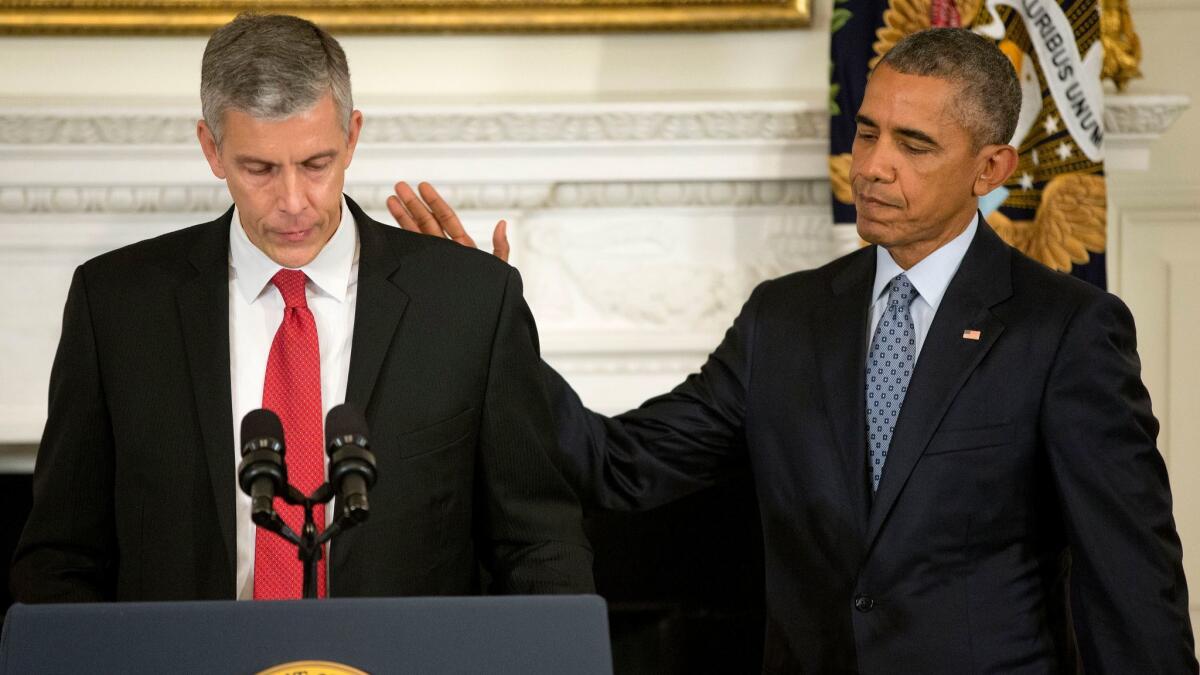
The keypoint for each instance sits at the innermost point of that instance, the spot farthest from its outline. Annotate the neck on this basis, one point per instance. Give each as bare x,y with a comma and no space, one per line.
908,255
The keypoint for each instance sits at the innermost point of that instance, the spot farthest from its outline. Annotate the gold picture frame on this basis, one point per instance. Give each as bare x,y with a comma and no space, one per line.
147,17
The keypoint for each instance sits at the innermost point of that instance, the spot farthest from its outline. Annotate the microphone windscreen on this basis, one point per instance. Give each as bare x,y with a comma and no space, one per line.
261,423
344,420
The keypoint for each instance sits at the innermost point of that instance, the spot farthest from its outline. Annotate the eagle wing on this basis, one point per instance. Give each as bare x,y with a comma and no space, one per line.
901,18
1070,223
839,176
968,11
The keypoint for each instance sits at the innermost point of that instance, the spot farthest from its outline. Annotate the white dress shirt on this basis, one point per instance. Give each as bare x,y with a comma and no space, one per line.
930,277
255,313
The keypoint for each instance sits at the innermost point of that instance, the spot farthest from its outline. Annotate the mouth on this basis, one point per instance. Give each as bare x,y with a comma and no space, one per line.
873,202
295,234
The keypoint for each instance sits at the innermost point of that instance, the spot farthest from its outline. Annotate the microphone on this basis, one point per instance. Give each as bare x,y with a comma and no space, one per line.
262,473
351,464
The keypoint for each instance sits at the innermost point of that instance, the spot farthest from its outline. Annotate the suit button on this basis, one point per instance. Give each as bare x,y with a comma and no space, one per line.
864,603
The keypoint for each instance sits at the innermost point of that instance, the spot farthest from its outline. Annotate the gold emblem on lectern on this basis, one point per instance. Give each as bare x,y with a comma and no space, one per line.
312,668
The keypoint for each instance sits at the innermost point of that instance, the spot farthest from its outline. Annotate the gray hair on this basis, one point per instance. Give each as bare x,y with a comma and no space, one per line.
271,67
989,96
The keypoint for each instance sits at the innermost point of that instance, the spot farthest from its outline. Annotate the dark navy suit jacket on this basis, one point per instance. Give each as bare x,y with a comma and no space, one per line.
1023,523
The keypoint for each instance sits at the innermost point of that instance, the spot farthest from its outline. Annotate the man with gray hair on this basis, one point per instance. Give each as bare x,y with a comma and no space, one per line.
295,301
953,451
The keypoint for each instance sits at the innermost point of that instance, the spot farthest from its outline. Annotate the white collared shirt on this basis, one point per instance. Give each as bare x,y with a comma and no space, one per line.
255,312
930,277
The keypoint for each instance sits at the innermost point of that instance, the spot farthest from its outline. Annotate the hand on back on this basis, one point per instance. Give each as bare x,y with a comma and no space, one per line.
428,213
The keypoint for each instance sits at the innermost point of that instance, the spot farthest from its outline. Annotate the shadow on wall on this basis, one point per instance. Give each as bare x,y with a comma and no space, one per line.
684,583
17,493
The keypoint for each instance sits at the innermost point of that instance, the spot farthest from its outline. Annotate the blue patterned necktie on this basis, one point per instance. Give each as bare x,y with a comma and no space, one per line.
889,368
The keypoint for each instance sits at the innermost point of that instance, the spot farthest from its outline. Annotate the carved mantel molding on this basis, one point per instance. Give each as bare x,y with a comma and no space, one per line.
639,227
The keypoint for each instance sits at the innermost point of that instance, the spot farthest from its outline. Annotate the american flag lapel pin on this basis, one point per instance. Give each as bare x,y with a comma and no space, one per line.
971,334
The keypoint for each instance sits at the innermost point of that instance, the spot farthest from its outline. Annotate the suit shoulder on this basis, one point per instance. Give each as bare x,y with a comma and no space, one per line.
443,257
165,252
816,279
1051,288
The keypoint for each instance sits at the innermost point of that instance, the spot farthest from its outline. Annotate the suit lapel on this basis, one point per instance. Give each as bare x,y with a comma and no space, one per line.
378,308
380,305
203,304
841,344
946,361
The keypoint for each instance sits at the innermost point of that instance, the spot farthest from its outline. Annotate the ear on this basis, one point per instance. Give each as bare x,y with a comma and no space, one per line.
356,123
208,143
997,162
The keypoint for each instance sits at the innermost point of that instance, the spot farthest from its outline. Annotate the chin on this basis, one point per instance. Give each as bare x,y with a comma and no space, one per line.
293,258
870,231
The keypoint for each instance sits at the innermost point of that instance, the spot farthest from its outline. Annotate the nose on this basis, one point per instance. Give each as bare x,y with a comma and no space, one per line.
290,198
877,164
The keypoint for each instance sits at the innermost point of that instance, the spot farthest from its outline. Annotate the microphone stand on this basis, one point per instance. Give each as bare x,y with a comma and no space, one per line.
308,542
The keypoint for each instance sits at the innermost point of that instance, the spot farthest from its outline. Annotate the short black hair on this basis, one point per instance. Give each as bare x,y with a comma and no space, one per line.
989,100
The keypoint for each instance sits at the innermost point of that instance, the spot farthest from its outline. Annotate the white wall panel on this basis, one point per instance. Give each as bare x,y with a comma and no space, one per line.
1161,273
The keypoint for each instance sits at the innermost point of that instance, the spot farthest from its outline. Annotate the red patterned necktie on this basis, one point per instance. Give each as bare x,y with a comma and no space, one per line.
292,390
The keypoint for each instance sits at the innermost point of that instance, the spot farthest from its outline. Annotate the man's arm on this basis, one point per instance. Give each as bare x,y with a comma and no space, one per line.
67,552
534,524
1128,594
672,445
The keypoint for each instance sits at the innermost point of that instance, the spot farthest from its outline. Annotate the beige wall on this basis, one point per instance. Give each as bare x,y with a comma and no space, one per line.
442,67
1171,64
390,69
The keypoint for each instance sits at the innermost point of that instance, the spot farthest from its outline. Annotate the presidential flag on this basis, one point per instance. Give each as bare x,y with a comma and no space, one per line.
1053,206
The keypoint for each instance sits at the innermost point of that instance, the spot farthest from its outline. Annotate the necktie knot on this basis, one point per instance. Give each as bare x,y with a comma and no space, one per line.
902,293
291,286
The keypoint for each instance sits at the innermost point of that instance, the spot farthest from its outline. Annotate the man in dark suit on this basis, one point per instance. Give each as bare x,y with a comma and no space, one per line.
996,504
165,343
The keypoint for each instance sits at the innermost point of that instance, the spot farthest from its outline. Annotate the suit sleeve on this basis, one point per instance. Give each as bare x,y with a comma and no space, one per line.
533,538
67,552
670,446
1128,594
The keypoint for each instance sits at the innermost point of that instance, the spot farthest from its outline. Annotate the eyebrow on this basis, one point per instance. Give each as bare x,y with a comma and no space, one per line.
907,132
248,159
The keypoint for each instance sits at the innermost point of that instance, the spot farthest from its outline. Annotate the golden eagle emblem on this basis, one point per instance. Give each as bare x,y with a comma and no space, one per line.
909,16
1069,223
839,177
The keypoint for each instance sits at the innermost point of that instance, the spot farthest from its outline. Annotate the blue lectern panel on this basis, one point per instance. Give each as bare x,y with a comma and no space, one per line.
528,635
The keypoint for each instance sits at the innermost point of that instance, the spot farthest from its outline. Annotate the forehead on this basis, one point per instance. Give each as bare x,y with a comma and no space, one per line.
895,99
302,132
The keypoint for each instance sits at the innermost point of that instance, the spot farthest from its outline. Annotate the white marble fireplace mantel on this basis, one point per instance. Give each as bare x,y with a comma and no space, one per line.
639,228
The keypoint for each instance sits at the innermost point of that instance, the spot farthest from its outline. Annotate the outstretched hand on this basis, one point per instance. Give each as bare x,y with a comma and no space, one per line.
430,214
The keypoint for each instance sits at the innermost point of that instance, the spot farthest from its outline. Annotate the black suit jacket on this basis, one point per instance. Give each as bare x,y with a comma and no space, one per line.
135,481
1023,523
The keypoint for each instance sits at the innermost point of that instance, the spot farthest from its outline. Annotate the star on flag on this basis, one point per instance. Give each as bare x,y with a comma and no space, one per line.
1051,124
1026,181
1064,150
